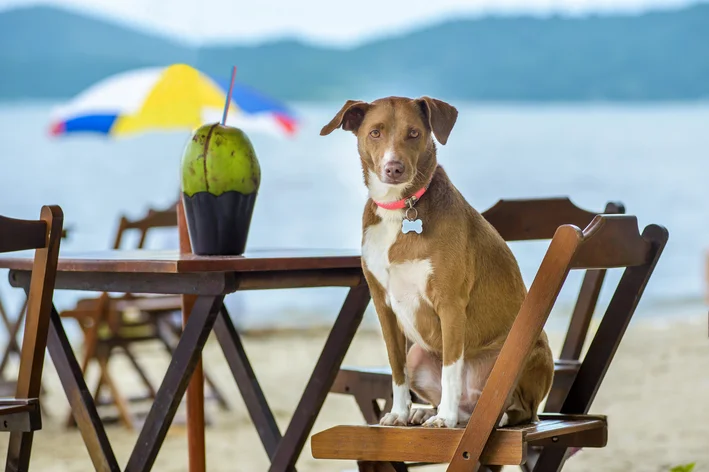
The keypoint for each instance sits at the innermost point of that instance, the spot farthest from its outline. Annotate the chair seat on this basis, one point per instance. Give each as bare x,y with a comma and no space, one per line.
506,446
20,415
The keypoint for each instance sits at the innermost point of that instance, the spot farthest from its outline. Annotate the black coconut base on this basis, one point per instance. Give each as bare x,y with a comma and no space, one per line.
219,226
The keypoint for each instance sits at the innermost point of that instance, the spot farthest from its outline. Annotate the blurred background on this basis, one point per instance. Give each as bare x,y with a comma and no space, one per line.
595,100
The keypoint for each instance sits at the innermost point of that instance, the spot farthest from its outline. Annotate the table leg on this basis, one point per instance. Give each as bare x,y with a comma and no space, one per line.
195,390
326,369
139,370
80,399
194,405
174,385
119,400
251,392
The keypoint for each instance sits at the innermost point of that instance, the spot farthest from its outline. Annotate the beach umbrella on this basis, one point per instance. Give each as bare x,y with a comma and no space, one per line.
177,97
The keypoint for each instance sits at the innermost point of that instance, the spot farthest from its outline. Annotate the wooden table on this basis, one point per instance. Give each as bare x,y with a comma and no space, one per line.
209,279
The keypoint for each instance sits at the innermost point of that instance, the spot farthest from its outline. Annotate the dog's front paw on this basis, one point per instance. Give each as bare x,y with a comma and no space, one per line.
419,416
395,418
440,421
504,421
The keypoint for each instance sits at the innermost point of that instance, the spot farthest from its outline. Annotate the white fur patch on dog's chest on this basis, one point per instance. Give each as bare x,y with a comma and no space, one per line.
404,283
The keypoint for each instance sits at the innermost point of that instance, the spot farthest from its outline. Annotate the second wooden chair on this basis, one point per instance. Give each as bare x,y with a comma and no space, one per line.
21,415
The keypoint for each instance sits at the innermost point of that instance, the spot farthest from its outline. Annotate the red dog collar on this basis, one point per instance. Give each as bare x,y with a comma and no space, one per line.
403,203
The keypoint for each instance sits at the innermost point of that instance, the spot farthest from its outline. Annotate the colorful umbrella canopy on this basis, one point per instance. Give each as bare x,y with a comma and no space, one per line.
167,98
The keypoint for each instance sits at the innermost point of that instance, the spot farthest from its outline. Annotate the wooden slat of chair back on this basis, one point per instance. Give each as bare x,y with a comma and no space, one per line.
21,235
154,219
44,236
611,241
598,246
535,219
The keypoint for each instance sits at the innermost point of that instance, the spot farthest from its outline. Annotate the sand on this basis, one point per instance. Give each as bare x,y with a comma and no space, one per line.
655,395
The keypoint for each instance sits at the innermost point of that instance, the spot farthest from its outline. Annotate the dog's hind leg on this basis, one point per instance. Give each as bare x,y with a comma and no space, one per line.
425,374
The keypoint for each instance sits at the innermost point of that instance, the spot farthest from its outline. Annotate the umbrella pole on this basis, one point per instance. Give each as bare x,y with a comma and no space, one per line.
195,389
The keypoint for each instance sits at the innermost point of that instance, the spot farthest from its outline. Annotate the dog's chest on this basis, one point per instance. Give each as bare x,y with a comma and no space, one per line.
405,283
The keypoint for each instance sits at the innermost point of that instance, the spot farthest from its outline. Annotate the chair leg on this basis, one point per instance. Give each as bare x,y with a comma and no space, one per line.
19,451
118,399
141,373
12,330
216,392
90,345
369,408
98,389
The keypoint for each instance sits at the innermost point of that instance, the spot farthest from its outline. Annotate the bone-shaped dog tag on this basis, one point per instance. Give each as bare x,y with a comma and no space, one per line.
411,225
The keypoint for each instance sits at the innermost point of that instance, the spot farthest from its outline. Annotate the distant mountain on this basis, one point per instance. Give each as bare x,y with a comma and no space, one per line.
659,55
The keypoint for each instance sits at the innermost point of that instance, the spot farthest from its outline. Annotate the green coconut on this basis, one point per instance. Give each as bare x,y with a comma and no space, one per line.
220,159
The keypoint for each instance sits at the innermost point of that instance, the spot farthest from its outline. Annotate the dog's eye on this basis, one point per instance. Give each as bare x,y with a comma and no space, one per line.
413,134
375,133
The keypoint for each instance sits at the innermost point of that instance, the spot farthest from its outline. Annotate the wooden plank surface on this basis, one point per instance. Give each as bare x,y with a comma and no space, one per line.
534,219
196,283
411,444
171,261
550,428
506,446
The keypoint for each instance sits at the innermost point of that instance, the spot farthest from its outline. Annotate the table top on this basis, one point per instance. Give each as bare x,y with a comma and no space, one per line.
172,262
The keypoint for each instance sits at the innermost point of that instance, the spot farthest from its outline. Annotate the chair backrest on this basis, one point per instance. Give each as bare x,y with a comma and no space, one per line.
610,241
44,236
539,218
153,219
536,219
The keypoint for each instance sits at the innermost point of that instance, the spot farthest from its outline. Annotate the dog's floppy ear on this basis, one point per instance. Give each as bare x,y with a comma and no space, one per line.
349,117
440,115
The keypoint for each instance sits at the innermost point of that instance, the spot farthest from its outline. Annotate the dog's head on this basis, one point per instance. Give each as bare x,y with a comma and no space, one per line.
395,140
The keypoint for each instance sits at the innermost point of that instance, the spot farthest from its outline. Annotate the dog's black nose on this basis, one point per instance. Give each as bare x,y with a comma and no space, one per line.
394,169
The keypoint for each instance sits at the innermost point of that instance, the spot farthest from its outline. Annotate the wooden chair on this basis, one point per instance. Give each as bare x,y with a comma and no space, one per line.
515,220
609,241
111,323
21,415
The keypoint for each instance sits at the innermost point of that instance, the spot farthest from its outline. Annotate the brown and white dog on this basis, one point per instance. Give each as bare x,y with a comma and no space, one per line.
440,275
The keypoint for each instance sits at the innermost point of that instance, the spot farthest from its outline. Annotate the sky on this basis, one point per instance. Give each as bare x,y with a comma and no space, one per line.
329,22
